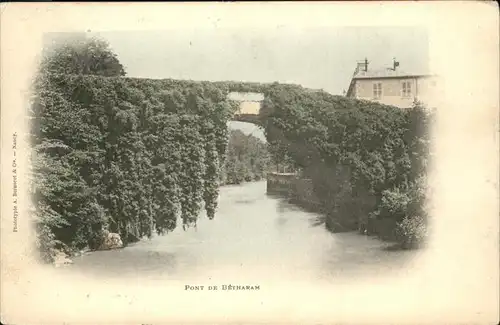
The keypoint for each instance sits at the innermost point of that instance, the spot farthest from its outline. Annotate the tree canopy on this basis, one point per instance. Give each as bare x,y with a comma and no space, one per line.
367,161
82,55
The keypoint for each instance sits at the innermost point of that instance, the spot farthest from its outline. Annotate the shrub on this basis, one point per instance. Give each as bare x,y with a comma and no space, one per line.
394,204
412,231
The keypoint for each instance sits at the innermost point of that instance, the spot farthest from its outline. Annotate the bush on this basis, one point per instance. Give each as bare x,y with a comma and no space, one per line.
394,204
412,231
404,206
46,243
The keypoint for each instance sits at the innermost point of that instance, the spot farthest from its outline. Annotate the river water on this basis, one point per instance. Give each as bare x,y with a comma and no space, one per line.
252,234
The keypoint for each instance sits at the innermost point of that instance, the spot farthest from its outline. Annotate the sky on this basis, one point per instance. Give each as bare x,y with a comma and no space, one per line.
320,57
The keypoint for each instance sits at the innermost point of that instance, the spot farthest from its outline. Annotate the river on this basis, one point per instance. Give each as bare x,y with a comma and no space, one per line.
251,234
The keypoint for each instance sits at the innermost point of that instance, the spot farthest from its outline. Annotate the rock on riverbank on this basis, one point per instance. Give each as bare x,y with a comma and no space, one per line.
111,241
63,257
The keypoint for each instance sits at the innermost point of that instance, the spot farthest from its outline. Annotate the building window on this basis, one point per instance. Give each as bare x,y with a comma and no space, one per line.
377,90
406,89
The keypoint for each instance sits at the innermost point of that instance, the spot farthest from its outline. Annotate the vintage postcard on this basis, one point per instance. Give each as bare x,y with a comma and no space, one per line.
322,162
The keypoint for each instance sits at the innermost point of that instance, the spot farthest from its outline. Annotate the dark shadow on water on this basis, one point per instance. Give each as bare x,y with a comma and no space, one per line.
396,247
285,206
317,221
275,196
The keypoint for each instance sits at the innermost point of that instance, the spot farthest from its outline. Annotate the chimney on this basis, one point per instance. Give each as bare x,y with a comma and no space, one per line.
395,64
362,66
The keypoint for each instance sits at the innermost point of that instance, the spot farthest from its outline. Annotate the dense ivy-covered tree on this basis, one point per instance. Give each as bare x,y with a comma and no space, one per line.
356,153
144,161
127,156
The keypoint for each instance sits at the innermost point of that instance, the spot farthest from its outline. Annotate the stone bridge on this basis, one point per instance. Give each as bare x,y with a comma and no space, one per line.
250,104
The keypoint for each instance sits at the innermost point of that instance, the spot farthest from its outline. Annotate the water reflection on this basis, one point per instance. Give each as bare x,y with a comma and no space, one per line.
285,207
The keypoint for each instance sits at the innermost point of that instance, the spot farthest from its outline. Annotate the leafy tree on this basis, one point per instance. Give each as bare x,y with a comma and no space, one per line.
82,55
247,158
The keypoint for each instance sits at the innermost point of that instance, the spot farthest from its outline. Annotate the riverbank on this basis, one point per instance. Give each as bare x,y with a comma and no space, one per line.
300,192
63,255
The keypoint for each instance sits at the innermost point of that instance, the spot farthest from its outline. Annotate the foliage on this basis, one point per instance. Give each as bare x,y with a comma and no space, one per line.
121,154
412,231
131,164
363,157
247,159
82,55
127,155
